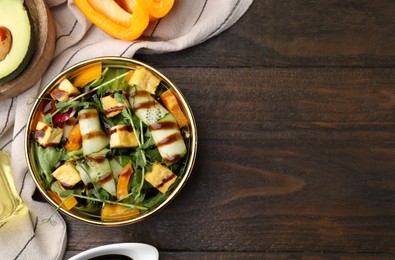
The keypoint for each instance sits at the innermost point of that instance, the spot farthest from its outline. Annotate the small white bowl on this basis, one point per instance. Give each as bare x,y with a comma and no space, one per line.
136,251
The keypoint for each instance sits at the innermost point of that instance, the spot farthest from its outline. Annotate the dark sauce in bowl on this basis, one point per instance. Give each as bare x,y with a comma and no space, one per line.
111,257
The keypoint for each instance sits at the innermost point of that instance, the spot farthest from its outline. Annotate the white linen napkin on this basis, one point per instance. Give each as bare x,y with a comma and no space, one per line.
189,23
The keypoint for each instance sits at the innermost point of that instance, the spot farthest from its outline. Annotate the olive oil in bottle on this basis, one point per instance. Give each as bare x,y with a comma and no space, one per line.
10,202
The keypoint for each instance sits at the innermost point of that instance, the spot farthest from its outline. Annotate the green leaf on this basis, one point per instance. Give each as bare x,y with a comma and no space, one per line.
77,153
150,142
137,179
48,119
153,155
118,84
123,160
119,98
47,158
61,104
66,193
141,160
158,198
56,188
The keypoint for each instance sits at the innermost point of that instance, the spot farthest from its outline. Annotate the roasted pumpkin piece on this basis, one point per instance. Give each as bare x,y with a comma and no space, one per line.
74,140
88,75
171,103
115,212
123,181
67,203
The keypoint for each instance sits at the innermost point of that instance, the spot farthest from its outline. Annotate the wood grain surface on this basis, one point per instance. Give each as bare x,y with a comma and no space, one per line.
295,113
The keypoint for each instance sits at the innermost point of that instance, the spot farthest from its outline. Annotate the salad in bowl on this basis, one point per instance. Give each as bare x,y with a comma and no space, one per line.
110,141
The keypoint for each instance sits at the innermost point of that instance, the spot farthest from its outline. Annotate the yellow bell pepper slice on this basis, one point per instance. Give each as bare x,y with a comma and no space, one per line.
112,19
156,8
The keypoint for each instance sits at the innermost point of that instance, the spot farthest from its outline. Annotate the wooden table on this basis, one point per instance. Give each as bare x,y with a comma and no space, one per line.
295,112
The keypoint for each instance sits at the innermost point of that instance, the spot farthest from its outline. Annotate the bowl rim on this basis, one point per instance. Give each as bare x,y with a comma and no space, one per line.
125,61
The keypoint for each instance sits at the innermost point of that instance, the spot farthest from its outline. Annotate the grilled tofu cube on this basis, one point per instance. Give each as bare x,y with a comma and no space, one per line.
111,107
144,79
67,175
64,91
160,177
47,135
122,136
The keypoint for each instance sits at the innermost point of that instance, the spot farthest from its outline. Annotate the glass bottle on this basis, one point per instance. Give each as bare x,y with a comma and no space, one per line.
11,203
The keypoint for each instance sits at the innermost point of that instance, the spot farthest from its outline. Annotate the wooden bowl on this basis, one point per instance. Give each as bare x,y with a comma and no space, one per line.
44,32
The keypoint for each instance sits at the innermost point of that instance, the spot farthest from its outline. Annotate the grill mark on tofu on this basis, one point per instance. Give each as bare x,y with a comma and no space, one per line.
120,129
40,133
113,109
164,181
169,139
59,94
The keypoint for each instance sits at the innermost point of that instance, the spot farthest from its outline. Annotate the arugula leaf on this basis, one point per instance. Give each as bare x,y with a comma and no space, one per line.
66,193
119,84
153,155
47,158
136,181
158,198
119,98
48,119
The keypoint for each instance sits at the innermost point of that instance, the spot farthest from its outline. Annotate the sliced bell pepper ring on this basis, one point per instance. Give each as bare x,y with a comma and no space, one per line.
111,10
112,19
156,8
127,5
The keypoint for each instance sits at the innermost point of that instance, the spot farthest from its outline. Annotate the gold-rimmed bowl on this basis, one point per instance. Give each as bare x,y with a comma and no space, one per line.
189,133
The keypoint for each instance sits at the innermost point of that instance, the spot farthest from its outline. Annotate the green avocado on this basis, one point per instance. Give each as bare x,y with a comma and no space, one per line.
15,18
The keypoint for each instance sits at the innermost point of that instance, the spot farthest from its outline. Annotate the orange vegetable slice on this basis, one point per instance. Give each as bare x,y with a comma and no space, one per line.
110,23
116,212
74,140
87,75
66,203
126,5
111,10
171,103
123,181
156,8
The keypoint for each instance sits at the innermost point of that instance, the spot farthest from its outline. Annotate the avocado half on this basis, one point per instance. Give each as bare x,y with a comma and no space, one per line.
15,18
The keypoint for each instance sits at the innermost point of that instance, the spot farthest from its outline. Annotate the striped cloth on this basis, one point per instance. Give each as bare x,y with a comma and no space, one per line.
190,22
